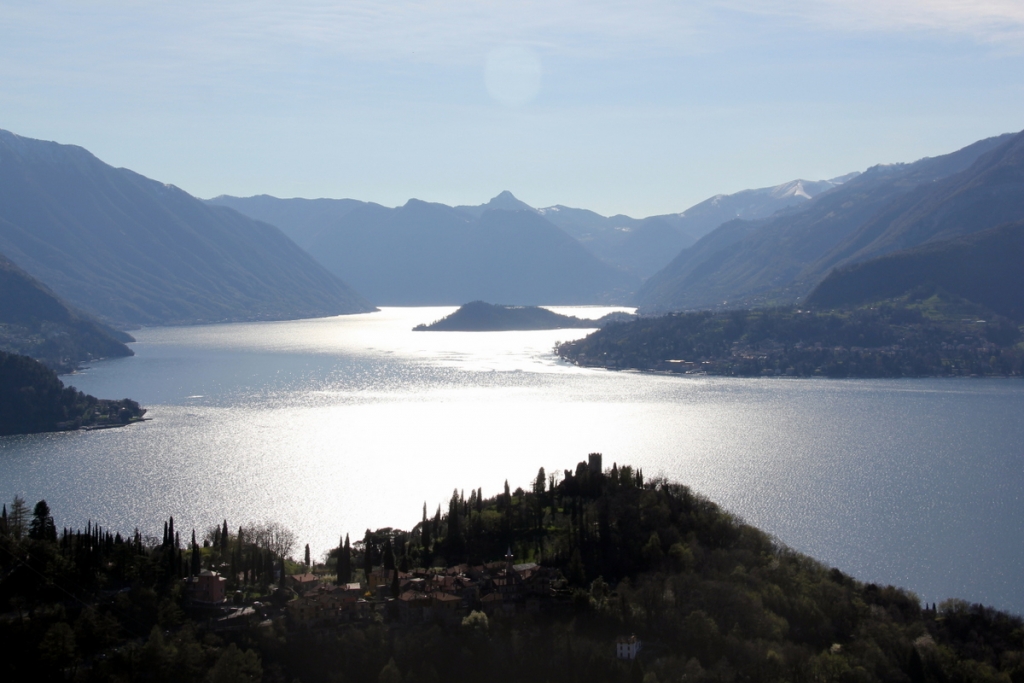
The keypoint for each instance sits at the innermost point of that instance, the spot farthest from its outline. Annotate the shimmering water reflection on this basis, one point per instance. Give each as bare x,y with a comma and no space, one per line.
339,424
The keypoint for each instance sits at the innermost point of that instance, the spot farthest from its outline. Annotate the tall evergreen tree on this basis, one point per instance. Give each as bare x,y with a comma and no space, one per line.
195,567
425,531
347,556
17,520
42,527
367,556
306,559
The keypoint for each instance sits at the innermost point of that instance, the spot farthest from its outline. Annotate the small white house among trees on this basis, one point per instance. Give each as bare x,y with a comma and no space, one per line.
627,647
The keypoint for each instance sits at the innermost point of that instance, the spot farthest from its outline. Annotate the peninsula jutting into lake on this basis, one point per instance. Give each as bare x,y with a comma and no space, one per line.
599,573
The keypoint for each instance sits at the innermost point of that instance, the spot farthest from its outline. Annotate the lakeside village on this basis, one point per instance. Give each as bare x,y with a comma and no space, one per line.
597,575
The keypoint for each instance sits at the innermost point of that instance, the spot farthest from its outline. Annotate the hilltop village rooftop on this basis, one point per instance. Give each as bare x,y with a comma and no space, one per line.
497,589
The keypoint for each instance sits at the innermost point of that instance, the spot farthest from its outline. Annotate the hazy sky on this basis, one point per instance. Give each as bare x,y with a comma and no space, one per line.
642,107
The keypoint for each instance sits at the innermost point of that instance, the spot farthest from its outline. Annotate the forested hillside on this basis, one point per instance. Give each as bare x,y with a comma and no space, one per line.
986,268
936,336
599,553
33,399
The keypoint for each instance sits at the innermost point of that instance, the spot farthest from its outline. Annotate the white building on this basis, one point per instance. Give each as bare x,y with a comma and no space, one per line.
627,647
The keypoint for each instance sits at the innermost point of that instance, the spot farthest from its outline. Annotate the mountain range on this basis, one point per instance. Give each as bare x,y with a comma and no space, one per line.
423,253
396,256
780,259
134,251
110,243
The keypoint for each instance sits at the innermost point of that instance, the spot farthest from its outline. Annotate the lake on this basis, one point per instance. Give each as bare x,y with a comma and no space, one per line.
334,425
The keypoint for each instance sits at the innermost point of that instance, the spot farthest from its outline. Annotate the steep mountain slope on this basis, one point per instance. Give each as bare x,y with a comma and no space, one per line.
137,252
301,219
34,322
774,262
424,253
986,268
988,193
645,246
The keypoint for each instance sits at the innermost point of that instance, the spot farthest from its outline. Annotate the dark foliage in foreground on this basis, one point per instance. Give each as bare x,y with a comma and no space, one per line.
884,341
712,598
33,399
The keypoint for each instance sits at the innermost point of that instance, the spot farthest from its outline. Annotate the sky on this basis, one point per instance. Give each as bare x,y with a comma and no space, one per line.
641,108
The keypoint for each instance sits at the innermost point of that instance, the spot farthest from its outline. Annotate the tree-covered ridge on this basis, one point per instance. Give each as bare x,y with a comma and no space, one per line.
985,268
712,599
480,316
934,336
33,399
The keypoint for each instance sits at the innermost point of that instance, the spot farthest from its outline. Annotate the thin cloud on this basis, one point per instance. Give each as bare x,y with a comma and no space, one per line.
993,21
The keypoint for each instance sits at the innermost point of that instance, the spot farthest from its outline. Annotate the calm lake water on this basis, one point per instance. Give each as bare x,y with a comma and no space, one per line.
338,424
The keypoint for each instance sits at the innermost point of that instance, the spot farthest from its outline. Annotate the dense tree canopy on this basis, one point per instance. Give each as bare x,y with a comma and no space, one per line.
33,399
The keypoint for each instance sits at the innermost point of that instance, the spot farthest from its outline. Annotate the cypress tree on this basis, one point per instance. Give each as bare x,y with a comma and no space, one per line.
347,556
425,531
224,537
196,556
367,556
307,556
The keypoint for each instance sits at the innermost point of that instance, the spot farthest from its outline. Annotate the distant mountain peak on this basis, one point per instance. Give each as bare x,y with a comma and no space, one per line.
506,201
503,201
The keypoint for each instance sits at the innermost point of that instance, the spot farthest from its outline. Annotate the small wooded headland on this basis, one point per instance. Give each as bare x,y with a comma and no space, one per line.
527,585
480,316
33,399
927,338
